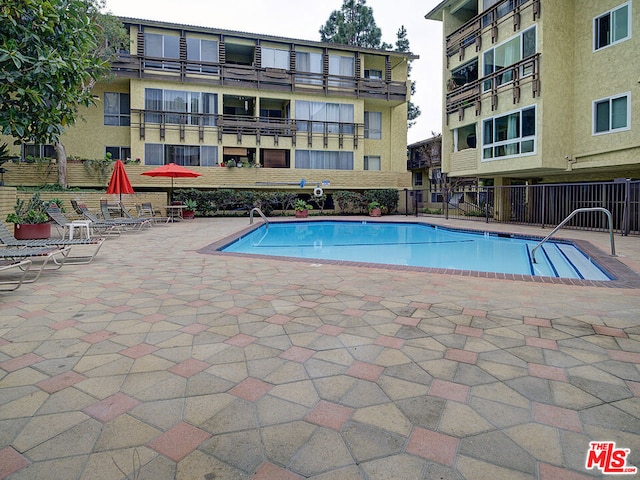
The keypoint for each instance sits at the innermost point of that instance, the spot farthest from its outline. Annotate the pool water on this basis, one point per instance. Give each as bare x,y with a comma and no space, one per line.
417,245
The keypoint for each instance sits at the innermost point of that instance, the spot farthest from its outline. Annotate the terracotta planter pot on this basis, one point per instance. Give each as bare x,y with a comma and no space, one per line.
188,214
32,231
302,213
375,212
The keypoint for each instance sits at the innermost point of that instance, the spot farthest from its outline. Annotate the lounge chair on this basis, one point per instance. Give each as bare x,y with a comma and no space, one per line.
145,211
10,283
121,222
61,221
125,218
7,238
42,255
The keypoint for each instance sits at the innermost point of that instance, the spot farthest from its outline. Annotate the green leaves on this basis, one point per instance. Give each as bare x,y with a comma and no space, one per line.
353,25
48,64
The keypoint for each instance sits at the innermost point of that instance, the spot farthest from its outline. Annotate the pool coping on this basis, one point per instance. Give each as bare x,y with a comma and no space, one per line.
624,276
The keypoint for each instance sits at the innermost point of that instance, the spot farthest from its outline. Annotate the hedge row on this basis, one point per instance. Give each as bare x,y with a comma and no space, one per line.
214,202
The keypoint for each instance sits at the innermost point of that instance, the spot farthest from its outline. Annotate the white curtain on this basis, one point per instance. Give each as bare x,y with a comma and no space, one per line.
513,132
333,117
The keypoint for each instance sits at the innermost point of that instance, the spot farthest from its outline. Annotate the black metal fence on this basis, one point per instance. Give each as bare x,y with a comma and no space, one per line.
542,205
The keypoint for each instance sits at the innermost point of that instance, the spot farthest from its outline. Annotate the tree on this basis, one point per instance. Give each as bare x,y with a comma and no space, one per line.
52,52
402,45
353,25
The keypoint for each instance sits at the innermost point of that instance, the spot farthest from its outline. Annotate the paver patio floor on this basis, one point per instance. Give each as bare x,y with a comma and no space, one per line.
158,362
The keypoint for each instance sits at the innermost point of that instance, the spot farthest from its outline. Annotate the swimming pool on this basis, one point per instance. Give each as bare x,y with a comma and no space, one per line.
418,245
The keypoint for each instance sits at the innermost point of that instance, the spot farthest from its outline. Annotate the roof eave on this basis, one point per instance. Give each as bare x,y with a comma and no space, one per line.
212,30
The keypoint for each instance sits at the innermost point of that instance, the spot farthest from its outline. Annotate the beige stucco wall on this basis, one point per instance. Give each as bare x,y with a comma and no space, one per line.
89,136
613,70
573,75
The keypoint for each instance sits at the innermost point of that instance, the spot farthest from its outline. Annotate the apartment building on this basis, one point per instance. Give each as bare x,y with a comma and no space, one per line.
540,90
276,109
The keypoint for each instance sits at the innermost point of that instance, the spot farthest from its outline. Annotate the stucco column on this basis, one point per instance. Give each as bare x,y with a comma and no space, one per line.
502,204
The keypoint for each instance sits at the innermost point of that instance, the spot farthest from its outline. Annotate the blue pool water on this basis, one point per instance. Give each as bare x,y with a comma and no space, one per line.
417,245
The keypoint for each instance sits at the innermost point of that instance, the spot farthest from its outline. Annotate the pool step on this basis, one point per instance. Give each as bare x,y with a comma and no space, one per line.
565,261
561,266
584,265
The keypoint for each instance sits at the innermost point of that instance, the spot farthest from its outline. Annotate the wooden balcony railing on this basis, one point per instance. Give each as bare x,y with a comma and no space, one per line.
514,76
471,32
240,125
418,163
257,78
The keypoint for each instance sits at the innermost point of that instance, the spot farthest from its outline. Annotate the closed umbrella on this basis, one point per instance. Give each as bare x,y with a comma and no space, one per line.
173,171
119,182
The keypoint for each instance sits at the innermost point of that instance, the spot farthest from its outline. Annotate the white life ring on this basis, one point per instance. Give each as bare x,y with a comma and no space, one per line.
317,192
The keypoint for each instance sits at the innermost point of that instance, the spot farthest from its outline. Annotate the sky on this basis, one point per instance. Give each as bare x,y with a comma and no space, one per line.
302,19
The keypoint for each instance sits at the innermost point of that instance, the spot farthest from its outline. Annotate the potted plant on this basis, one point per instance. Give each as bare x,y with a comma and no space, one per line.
302,208
190,211
30,219
374,209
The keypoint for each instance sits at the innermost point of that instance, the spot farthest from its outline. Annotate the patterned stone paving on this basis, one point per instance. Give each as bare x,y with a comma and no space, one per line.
158,362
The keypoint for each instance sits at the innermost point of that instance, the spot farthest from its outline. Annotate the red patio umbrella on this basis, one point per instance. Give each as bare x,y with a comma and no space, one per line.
119,182
173,171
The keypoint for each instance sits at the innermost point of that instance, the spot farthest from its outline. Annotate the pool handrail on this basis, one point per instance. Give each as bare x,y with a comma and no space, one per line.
256,209
569,217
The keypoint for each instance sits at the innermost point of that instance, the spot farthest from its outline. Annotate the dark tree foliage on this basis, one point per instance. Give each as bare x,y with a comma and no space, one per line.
52,52
402,45
353,25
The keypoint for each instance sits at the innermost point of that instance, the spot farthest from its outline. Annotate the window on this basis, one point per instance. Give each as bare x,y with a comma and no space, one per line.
324,160
464,137
500,12
611,114
467,73
177,106
275,58
509,135
373,125
372,162
162,46
185,155
512,51
38,151
417,179
118,153
612,27
202,51
335,117
343,67
309,68
116,109
373,74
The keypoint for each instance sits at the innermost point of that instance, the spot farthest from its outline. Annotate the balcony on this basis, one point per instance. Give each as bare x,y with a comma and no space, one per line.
147,121
257,78
420,163
471,32
473,94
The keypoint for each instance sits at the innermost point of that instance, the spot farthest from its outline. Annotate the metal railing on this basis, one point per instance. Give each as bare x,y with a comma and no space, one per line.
256,209
541,205
571,215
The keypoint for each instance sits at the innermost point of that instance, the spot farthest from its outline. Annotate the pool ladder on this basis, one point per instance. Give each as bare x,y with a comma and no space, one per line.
256,209
569,217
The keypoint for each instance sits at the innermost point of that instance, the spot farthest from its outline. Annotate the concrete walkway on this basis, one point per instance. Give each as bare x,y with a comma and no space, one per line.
158,362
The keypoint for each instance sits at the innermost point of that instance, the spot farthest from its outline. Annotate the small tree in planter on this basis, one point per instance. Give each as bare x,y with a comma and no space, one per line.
190,211
374,209
30,219
302,208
